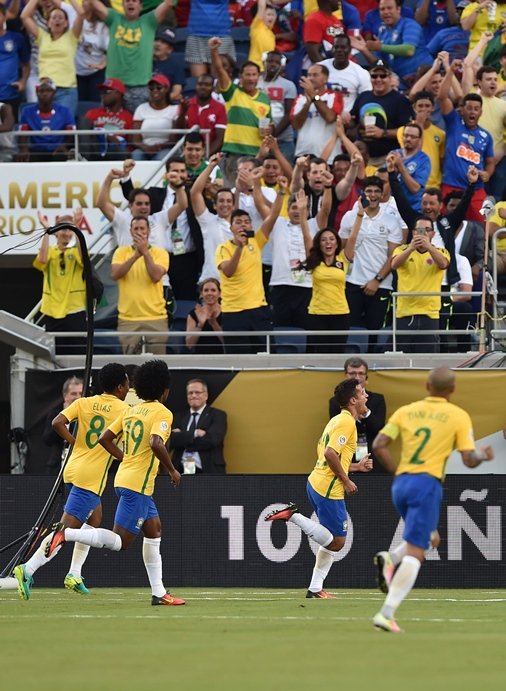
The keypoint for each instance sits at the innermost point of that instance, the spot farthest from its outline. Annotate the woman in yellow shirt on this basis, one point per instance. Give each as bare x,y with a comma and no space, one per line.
328,263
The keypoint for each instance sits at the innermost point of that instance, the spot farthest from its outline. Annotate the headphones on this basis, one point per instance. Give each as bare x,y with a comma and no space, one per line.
266,53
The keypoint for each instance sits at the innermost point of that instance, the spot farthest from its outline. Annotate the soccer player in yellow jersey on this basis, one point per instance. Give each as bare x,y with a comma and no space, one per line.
85,473
429,430
146,428
329,482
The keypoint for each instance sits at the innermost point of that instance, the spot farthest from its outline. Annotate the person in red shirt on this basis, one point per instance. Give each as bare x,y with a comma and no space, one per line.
205,111
111,115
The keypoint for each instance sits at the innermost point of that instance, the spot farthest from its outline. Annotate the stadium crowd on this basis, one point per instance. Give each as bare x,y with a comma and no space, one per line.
352,150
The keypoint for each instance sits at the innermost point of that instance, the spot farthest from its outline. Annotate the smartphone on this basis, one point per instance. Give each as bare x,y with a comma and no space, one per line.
364,201
250,233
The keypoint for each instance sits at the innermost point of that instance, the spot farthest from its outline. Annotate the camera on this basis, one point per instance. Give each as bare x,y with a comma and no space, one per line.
250,233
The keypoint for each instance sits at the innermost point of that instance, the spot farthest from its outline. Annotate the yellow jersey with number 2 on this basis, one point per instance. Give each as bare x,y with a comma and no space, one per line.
430,430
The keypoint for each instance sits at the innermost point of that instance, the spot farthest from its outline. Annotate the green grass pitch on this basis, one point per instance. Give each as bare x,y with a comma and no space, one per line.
250,640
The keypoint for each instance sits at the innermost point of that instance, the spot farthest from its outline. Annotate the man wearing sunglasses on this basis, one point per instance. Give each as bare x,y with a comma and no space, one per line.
379,113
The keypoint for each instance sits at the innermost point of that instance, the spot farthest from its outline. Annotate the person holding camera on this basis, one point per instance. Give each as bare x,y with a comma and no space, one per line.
369,279
420,268
239,262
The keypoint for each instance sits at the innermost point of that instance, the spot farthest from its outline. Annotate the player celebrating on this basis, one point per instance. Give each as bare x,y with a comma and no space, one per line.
327,484
146,428
430,429
85,473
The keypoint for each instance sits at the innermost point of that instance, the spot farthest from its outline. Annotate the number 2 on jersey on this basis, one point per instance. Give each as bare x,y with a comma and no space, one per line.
426,433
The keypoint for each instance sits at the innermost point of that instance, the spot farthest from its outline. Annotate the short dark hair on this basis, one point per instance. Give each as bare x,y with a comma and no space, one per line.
238,212
111,376
415,126
485,69
424,217
355,362
454,194
152,379
373,181
341,157
345,391
139,218
316,160
434,192
136,192
174,159
194,138
343,37
248,63
423,96
472,97
223,189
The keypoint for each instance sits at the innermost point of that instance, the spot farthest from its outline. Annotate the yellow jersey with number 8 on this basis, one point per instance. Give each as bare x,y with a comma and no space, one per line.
89,463
430,430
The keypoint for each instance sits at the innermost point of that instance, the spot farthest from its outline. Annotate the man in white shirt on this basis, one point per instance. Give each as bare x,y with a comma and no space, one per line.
314,113
345,77
369,280
215,227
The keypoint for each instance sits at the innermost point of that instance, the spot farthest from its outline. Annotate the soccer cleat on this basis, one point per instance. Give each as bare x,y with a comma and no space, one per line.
76,584
386,570
24,582
322,595
57,539
390,625
282,514
167,599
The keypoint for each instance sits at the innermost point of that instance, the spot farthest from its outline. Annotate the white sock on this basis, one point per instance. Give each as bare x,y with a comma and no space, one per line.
398,553
401,584
153,563
39,558
94,537
324,560
79,555
314,530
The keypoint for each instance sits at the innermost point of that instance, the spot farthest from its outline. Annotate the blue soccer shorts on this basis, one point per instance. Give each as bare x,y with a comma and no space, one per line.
417,497
80,502
133,509
331,512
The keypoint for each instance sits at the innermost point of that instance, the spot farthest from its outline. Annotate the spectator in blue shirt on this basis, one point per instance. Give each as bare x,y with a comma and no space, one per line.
372,21
453,39
14,64
45,115
412,165
168,63
401,40
435,15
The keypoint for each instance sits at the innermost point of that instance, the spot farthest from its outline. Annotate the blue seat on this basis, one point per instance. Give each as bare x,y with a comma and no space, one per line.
294,342
82,108
241,58
189,87
240,34
181,35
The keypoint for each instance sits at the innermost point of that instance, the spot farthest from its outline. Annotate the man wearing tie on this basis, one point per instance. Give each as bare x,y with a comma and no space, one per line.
198,434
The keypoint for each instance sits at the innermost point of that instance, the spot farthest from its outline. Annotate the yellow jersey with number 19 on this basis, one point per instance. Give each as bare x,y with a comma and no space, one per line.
89,463
139,467
341,435
430,430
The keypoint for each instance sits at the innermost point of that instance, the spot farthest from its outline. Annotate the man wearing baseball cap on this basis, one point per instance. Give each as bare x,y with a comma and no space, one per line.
111,115
166,62
45,115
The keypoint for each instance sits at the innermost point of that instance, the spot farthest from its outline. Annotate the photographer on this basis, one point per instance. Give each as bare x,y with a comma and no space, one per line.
419,273
239,263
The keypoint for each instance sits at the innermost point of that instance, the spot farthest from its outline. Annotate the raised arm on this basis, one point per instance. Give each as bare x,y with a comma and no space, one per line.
275,210
322,216
223,79
344,186
44,245
100,9
470,64
444,91
181,200
301,164
104,202
27,18
349,248
163,10
198,187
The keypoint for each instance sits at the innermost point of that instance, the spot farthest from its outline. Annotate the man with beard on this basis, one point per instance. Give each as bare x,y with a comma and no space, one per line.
282,93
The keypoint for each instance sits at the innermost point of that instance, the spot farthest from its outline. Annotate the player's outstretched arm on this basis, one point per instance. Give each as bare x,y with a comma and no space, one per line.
472,459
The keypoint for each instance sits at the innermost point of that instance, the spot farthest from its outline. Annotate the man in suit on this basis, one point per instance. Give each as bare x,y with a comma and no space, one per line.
368,427
198,433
